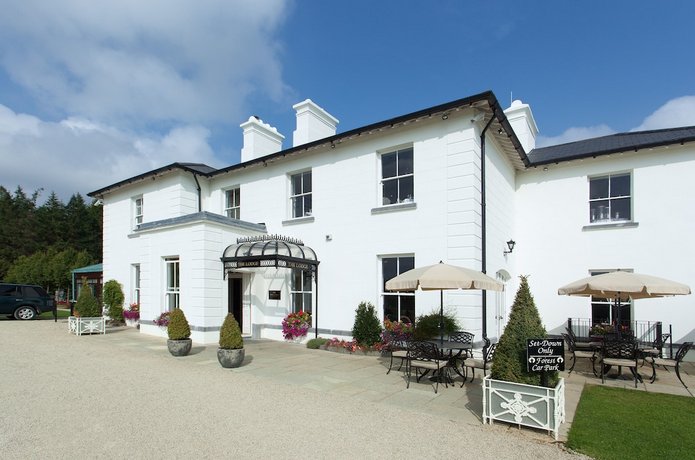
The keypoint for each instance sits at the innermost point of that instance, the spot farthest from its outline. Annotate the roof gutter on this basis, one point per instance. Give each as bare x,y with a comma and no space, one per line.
200,198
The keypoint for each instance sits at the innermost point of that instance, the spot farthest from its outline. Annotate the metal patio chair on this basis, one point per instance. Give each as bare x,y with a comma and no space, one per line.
675,362
425,356
398,350
577,354
463,338
476,363
619,353
655,349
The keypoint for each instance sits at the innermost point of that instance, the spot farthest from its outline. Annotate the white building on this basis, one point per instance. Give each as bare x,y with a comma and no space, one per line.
374,201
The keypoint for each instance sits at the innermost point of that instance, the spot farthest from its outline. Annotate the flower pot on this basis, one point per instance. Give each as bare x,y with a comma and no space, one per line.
179,347
87,325
132,322
230,358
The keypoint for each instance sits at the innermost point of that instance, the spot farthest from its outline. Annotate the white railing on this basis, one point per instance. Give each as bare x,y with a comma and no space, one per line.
94,325
520,404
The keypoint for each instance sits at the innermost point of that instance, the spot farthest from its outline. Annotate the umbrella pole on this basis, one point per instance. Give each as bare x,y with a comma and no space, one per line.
617,305
441,317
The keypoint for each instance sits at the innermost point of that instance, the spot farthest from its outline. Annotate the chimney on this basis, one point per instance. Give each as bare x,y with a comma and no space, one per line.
523,123
260,139
313,123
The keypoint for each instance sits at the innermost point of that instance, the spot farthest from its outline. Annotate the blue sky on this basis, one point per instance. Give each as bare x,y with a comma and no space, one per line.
92,94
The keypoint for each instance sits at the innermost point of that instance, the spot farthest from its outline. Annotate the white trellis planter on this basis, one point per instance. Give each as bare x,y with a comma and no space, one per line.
92,325
520,404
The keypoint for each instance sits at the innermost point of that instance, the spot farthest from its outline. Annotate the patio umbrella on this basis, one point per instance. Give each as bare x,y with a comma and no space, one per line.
620,284
439,277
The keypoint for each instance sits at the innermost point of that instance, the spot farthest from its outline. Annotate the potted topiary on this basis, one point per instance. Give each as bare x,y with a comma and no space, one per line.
231,351
179,332
513,394
88,318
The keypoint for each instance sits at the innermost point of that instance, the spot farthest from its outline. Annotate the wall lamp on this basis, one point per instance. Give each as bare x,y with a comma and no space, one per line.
510,245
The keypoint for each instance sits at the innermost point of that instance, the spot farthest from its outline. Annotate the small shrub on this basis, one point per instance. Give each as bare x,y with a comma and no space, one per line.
367,328
427,326
314,344
230,334
178,328
113,299
524,323
87,305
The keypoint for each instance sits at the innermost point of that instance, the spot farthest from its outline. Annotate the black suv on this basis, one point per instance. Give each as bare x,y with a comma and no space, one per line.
24,301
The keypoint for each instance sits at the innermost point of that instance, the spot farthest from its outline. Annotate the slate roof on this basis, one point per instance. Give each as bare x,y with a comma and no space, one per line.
605,145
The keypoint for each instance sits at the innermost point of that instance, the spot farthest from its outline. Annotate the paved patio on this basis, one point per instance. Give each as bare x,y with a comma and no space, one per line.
364,378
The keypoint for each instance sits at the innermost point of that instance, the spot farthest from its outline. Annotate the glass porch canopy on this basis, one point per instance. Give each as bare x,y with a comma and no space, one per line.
269,251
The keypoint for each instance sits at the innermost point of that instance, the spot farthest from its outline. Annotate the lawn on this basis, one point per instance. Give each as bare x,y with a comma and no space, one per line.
615,423
49,314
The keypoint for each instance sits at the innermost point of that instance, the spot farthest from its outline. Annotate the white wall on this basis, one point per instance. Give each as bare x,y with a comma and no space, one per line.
555,247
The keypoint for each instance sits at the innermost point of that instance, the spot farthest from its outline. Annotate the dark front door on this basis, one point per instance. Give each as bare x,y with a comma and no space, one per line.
235,300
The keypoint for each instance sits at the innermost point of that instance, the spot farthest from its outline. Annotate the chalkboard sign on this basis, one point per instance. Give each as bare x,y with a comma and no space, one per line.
545,355
273,295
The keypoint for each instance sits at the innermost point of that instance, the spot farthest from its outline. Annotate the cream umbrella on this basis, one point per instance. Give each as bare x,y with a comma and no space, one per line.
621,284
439,277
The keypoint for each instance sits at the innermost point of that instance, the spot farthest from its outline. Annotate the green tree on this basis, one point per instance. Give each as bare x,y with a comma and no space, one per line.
178,328
113,298
367,327
87,305
524,323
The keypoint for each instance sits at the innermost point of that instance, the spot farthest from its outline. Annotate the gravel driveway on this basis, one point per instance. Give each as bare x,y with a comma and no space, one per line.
123,396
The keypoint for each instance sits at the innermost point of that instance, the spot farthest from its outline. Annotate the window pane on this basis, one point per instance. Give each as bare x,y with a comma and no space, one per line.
405,188
389,268
306,274
620,185
296,184
297,210
307,205
390,189
600,313
306,186
620,209
598,211
598,188
405,162
388,165
296,280
306,303
391,307
406,263
237,197
408,307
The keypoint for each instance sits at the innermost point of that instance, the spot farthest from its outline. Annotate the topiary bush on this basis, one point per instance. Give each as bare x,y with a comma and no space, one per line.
524,323
178,328
87,305
316,343
113,299
367,328
230,334
427,326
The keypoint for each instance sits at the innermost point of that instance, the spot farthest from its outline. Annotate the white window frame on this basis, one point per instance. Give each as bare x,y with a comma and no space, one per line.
301,291
398,294
302,194
135,291
138,210
607,216
172,277
398,177
232,209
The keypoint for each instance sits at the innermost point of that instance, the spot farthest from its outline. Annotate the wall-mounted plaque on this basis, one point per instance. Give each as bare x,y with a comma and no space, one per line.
274,295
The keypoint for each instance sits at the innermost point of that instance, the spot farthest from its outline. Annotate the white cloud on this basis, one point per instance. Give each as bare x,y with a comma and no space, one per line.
676,112
78,155
575,134
140,62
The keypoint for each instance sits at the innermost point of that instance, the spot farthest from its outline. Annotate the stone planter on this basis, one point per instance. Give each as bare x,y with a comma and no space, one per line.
179,347
132,322
91,325
230,358
520,404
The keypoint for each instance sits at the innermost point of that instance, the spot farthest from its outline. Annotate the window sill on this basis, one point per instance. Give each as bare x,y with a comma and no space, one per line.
298,220
613,225
394,207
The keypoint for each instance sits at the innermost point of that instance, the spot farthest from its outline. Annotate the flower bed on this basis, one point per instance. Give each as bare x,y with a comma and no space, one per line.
350,346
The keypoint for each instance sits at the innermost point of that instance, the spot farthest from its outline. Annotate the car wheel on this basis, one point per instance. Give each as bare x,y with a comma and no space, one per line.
25,313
